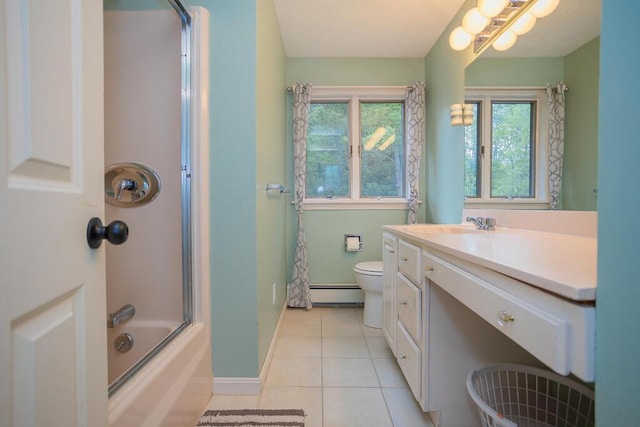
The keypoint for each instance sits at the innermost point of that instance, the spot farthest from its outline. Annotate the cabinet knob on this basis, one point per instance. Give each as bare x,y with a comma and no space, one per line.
404,259
402,356
428,269
403,303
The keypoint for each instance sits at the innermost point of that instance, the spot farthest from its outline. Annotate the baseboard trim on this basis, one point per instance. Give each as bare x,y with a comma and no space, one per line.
230,385
272,348
328,295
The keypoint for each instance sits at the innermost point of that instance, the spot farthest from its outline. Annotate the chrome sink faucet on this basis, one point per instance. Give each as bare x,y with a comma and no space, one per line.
125,313
488,224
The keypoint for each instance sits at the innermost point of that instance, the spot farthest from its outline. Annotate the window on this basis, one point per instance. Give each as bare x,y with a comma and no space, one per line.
356,148
506,147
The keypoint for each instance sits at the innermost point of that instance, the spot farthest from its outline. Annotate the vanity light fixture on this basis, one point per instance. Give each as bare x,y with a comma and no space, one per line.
461,114
460,39
473,21
498,23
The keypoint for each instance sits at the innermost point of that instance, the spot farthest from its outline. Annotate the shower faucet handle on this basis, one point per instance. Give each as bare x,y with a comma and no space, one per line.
125,184
115,233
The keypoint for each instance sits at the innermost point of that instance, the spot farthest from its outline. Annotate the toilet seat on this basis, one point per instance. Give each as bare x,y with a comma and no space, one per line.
370,268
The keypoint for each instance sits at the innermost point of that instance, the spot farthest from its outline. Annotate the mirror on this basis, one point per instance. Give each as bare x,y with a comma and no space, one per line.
562,47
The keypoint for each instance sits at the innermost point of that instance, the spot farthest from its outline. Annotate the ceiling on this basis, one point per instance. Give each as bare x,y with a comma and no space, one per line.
410,28
363,28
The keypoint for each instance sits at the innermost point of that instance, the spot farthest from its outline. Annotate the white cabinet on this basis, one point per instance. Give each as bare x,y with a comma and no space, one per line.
556,331
410,307
444,316
389,272
404,325
409,261
538,331
410,361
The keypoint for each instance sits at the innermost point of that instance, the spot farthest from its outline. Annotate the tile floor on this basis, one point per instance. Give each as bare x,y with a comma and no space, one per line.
339,371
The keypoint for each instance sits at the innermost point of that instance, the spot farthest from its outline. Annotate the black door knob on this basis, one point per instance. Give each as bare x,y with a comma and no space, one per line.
116,233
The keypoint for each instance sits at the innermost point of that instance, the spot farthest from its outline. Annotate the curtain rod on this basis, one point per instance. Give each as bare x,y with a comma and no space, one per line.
290,88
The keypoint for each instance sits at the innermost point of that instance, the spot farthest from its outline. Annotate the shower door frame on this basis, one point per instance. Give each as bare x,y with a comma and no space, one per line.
186,199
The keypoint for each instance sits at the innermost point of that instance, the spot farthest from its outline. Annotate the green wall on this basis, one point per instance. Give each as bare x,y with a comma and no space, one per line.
444,80
354,71
270,149
137,5
325,230
514,71
248,150
580,177
233,188
617,320
328,261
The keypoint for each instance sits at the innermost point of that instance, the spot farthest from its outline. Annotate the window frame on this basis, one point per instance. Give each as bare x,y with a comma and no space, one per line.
353,95
485,96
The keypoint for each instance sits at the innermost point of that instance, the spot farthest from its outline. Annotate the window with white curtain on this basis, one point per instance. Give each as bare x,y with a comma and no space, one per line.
506,153
356,148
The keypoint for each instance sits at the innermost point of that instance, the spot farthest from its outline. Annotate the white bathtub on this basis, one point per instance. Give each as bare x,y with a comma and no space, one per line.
145,336
172,389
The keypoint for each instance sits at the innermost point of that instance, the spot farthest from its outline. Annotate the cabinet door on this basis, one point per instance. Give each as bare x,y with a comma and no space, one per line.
540,332
409,307
410,360
409,261
389,272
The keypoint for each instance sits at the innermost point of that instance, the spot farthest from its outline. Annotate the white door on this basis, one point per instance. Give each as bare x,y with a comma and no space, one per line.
52,301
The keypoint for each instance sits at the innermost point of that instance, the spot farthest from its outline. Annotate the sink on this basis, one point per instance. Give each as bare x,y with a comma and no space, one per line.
439,228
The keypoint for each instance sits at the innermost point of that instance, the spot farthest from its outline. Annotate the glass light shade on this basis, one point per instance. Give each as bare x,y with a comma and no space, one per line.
473,21
467,114
456,114
459,39
491,8
543,8
524,24
505,41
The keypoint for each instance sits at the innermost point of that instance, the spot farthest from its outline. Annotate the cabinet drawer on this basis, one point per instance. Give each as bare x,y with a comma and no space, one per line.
410,360
543,334
410,307
389,274
409,261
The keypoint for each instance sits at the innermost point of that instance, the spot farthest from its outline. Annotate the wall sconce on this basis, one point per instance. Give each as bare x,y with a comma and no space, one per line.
498,23
461,114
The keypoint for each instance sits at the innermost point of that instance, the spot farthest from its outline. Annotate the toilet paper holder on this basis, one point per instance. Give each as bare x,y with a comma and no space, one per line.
350,237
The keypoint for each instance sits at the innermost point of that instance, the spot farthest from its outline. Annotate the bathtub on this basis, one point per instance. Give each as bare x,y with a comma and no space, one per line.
172,388
145,336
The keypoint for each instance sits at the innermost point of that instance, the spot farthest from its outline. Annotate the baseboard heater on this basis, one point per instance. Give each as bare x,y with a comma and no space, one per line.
336,293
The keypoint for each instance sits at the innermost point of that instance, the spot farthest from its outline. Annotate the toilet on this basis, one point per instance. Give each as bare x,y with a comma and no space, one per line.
369,278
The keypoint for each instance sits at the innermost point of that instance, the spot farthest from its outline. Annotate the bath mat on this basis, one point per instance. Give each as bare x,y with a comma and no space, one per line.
252,418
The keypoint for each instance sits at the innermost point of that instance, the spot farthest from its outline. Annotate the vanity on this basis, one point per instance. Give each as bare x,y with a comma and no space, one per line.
457,298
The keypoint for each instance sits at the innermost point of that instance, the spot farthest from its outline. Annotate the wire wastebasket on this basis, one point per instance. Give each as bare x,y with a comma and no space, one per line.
512,395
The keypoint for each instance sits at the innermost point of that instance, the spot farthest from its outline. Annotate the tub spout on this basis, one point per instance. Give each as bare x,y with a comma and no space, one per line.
125,313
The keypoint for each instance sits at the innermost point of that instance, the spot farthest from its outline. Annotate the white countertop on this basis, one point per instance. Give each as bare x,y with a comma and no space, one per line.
562,264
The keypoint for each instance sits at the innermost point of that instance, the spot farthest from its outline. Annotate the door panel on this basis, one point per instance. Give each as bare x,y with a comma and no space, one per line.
35,338
42,145
52,310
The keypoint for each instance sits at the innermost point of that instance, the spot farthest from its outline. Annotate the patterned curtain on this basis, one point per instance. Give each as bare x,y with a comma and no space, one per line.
298,291
556,102
415,134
